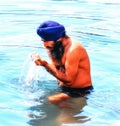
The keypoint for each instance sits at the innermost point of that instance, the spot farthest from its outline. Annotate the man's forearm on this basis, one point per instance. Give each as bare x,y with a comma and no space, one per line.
49,68
56,73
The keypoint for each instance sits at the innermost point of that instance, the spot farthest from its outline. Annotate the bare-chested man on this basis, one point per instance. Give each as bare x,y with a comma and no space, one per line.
70,61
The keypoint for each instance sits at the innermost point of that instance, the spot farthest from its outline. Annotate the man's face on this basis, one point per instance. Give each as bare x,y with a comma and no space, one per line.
48,44
55,47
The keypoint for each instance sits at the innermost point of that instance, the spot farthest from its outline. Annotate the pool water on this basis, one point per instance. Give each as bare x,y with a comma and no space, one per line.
24,87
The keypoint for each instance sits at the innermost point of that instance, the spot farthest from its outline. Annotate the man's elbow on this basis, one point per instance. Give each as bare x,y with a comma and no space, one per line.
64,78
68,80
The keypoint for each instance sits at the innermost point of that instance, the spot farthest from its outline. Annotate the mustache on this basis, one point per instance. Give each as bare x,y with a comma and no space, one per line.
48,47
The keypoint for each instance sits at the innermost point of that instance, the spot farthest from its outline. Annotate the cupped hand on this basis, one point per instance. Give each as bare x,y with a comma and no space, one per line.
36,58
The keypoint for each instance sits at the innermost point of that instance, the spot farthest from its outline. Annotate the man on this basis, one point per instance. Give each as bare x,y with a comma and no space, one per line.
70,61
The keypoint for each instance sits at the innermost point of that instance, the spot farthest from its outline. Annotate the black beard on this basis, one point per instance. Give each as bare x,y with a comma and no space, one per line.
57,51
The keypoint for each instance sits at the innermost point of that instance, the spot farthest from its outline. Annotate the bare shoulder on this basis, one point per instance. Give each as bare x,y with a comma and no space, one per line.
76,46
73,55
75,51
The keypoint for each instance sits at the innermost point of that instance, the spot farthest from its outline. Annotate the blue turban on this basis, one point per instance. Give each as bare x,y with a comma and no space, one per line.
50,30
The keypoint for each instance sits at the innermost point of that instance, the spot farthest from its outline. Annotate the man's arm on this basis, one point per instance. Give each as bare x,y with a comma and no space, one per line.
71,67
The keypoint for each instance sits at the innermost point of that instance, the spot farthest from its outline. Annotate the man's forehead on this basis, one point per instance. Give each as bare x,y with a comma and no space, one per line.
43,40
46,40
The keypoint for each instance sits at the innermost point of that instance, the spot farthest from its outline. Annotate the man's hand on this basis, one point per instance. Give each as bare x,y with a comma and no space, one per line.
37,59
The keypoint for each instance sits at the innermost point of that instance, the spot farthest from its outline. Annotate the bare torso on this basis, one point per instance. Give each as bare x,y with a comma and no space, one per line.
76,65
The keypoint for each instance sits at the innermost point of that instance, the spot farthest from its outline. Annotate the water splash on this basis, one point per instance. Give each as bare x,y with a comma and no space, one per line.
31,73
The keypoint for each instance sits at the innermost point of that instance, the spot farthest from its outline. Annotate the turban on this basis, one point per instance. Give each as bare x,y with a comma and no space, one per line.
50,30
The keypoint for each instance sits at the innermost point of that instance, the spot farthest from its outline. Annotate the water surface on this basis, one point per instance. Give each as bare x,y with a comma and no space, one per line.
96,24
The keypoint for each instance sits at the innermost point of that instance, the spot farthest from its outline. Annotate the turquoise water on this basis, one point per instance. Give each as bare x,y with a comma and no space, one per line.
25,87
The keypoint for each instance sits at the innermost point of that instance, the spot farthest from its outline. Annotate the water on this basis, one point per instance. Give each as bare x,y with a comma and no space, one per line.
96,24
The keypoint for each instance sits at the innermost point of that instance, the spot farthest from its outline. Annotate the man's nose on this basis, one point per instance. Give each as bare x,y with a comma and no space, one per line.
46,44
